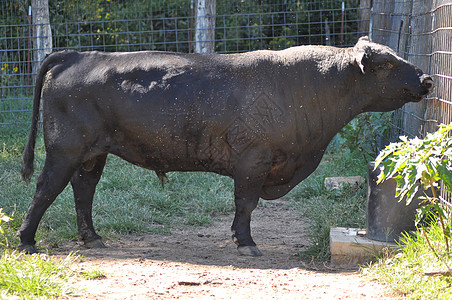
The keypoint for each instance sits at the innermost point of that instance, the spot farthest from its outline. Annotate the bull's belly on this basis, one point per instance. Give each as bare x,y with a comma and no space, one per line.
174,155
206,152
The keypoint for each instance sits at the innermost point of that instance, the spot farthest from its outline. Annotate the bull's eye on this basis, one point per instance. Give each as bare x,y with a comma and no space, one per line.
386,66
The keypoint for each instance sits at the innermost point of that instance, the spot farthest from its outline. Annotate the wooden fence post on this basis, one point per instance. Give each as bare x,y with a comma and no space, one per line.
364,16
42,34
205,26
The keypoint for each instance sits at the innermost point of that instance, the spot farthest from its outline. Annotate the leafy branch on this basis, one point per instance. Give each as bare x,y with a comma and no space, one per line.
364,133
426,163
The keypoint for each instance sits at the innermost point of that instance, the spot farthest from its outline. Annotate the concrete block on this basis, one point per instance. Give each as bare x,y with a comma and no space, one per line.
350,246
332,183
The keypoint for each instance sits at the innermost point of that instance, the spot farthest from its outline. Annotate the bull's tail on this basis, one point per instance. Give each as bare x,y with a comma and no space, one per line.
28,157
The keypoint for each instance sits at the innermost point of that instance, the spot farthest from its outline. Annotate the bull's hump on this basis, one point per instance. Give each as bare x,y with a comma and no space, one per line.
152,60
123,62
135,71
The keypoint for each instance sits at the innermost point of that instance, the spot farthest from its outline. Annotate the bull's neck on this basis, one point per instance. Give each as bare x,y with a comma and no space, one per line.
326,102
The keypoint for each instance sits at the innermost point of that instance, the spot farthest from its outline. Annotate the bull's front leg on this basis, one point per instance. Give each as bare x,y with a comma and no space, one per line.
241,231
249,178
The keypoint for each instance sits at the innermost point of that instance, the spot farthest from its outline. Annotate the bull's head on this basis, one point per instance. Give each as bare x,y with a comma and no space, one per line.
389,80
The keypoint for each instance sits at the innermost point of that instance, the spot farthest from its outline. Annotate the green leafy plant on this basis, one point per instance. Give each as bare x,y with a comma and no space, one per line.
364,133
426,163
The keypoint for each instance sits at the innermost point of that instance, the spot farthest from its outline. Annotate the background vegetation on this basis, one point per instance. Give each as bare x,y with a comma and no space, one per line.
167,25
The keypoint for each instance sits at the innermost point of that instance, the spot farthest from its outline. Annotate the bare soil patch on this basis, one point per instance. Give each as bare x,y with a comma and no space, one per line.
203,263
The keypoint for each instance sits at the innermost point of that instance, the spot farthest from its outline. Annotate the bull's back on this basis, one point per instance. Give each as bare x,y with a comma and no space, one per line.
153,109
167,111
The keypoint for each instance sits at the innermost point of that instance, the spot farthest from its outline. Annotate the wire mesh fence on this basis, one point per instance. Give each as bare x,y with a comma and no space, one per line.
134,25
421,32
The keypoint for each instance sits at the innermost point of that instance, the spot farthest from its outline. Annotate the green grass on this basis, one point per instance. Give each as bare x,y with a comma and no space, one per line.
93,274
345,207
128,199
15,107
415,272
35,276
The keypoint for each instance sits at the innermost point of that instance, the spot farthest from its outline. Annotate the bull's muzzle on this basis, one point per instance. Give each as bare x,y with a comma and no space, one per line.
427,83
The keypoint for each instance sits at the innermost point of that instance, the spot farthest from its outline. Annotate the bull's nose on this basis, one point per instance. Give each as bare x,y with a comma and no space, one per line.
427,82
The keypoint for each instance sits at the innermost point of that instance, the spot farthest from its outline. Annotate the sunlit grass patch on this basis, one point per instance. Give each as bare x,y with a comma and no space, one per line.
93,274
35,276
415,272
345,207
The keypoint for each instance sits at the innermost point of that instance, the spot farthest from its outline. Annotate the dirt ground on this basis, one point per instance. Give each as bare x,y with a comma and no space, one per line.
203,263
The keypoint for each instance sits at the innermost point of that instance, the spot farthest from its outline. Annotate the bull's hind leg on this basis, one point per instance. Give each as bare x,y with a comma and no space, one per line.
53,179
84,184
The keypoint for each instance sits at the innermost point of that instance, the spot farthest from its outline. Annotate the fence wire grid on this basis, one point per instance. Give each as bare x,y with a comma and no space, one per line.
133,25
421,32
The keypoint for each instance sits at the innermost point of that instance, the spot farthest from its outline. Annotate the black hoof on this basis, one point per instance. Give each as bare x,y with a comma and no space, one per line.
95,244
27,249
249,251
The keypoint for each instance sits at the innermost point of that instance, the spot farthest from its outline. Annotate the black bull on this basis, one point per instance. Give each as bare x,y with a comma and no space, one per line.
263,118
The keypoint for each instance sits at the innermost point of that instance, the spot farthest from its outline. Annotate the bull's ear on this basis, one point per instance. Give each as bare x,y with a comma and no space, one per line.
361,53
360,60
364,39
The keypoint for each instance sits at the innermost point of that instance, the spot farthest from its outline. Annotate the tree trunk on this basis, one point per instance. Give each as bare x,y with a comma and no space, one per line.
205,26
42,34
